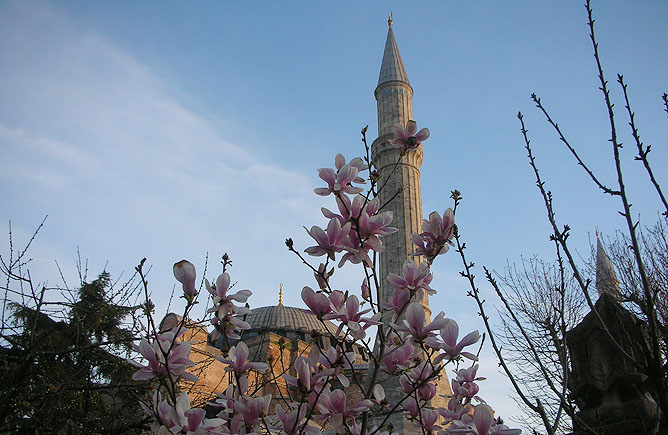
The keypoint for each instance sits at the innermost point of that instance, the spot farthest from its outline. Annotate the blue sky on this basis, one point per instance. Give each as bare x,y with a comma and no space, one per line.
173,130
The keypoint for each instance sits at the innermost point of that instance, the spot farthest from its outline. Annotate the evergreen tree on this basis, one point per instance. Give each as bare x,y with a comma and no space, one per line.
66,371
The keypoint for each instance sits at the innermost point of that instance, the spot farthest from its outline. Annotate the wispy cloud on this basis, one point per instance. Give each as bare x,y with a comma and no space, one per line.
94,138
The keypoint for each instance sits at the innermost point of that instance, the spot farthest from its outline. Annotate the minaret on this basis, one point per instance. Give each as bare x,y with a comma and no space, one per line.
394,96
401,194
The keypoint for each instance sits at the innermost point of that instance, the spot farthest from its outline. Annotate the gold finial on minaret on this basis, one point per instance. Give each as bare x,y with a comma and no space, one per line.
280,295
597,234
389,20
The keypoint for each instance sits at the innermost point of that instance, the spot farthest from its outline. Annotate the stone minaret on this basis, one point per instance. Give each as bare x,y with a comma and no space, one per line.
401,195
394,96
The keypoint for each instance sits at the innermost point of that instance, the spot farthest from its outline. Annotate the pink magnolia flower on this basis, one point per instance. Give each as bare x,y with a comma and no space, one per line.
318,303
252,410
357,162
228,323
350,316
219,291
337,299
165,357
237,360
469,374
429,417
426,392
464,386
436,236
190,421
304,377
340,182
482,423
366,292
335,360
398,358
415,323
405,138
184,272
411,406
333,405
290,422
415,278
417,377
322,276
456,410
441,227
367,227
449,333
400,298
328,242
372,224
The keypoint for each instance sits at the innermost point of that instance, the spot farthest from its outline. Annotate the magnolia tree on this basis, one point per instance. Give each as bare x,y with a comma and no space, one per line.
409,346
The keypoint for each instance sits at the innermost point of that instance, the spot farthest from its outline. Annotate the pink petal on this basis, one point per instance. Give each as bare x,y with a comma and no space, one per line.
422,135
411,128
339,161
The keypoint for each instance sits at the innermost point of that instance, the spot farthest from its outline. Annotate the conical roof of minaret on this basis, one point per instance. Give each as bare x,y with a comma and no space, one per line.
392,68
606,279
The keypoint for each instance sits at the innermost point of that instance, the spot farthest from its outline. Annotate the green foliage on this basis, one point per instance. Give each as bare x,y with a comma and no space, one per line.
70,374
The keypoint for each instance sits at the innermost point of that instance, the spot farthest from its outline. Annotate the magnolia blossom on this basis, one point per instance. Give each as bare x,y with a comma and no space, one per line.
429,417
436,236
482,423
340,182
368,225
351,316
398,357
227,320
449,333
415,323
322,276
184,272
304,375
332,405
219,291
330,241
405,138
318,303
165,356
399,300
357,162
415,278
237,360
290,423
335,360
183,419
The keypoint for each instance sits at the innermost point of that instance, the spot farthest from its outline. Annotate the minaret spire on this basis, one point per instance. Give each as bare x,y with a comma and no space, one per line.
392,67
606,279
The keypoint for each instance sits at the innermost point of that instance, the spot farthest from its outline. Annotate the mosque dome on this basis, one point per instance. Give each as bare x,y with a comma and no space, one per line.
289,322
279,318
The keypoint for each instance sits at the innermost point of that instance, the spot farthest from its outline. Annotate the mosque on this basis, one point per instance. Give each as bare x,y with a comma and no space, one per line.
278,333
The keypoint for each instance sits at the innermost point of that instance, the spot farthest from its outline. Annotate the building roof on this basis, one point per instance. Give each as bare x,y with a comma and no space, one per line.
392,68
280,317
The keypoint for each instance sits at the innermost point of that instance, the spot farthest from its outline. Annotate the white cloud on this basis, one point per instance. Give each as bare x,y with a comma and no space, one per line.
95,139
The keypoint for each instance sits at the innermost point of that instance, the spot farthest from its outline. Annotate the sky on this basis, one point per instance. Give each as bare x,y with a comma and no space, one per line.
172,130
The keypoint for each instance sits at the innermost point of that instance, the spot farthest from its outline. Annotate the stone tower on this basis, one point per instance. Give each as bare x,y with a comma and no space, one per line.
401,194
394,97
